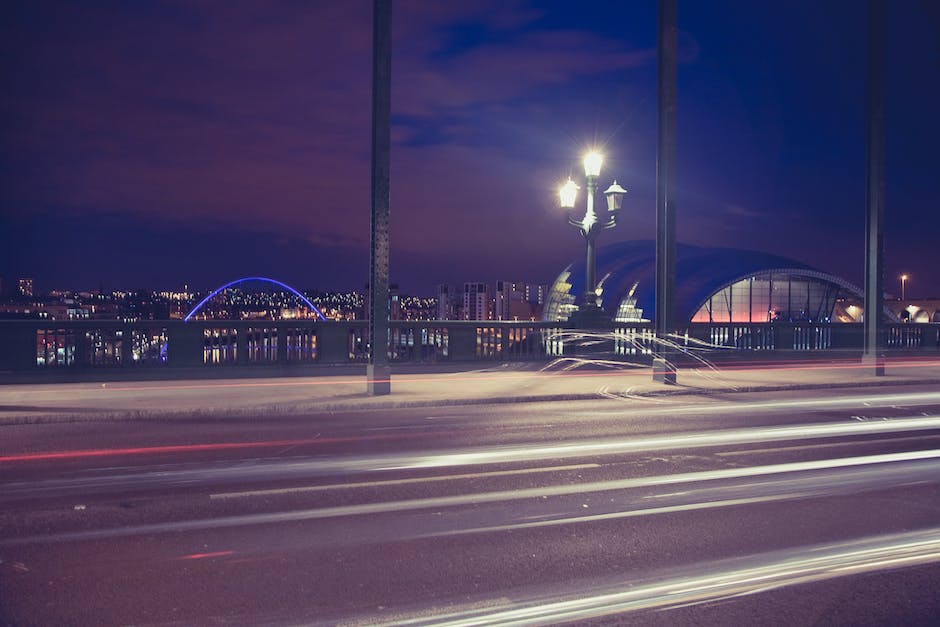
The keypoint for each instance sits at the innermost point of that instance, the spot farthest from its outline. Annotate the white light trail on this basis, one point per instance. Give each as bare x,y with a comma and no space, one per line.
896,468
703,584
399,482
286,469
727,437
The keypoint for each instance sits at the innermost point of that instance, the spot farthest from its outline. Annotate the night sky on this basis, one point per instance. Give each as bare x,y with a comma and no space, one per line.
152,144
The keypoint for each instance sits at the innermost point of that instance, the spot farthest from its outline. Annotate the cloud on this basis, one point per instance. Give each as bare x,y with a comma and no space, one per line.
738,211
260,115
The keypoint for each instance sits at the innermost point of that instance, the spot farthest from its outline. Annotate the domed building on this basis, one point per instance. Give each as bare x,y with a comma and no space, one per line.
712,285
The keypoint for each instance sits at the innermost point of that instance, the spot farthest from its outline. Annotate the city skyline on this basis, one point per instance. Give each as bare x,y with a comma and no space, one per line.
152,145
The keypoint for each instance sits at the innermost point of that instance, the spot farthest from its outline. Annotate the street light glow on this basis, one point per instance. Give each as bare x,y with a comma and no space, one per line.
589,312
568,194
592,163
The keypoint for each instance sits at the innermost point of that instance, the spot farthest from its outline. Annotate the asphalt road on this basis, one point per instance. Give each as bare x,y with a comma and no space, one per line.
785,508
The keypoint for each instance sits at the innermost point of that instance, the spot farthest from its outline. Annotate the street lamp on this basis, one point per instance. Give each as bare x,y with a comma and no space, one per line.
590,227
903,281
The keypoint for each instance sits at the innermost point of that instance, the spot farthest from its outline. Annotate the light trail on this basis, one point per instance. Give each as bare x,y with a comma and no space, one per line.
734,578
201,556
286,469
191,448
396,482
728,437
672,410
779,482
827,445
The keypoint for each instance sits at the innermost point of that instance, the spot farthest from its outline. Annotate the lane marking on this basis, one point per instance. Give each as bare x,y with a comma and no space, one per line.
391,482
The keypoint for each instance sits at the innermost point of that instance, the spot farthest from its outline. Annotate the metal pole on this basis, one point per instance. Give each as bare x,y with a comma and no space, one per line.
873,355
590,294
378,372
663,369
590,235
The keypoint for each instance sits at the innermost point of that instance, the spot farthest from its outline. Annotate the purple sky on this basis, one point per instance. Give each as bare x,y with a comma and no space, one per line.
152,144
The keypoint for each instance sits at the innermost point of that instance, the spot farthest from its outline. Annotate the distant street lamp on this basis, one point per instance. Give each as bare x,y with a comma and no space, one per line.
903,281
589,312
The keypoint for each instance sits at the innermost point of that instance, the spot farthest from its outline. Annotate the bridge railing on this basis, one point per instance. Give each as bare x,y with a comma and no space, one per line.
75,346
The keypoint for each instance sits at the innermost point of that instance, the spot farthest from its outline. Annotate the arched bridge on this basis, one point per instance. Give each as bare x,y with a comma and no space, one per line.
254,278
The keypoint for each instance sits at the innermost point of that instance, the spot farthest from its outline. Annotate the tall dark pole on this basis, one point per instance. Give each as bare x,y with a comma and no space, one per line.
663,368
873,355
378,373
590,279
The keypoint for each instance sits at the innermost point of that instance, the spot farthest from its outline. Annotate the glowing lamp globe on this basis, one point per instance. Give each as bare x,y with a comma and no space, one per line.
568,193
592,163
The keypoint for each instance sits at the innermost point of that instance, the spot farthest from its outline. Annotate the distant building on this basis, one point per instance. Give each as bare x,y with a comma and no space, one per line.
476,302
25,286
418,308
447,303
394,305
511,302
915,309
535,293
712,285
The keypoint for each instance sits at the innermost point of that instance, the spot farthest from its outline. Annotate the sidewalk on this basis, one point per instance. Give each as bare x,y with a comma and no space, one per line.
129,400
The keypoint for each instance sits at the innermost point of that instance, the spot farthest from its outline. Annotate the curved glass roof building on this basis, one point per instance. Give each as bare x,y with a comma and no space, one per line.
712,285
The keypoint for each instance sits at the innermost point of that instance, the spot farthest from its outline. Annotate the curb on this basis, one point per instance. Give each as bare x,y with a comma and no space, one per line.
52,417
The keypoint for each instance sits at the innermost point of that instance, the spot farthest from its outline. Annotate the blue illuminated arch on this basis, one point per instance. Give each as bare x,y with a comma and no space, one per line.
254,278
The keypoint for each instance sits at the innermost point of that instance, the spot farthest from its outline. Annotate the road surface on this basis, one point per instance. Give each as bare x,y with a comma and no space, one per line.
817,507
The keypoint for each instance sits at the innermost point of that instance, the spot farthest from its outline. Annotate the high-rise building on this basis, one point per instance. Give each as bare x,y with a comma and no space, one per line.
25,286
394,303
446,302
511,302
535,293
476,302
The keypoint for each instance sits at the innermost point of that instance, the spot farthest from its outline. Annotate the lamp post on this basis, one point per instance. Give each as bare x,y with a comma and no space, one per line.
589,313
903,281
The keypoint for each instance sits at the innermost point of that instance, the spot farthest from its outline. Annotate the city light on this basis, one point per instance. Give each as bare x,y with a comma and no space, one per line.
568,193
589,313
592,163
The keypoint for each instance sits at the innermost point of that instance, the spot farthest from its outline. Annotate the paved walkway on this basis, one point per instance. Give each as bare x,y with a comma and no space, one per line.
128,400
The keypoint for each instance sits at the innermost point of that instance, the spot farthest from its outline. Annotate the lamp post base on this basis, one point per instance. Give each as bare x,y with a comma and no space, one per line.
378,380
664,371
873,363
